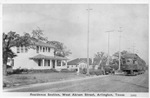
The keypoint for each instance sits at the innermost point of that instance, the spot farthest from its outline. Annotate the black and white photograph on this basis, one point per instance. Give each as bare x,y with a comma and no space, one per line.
92,48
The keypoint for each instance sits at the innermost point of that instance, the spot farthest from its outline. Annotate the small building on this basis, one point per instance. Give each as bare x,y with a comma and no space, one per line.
79,63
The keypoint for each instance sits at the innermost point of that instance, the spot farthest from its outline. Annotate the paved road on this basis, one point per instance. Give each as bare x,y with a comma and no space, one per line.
112,83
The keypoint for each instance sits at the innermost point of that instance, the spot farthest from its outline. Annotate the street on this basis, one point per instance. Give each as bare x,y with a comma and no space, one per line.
110,83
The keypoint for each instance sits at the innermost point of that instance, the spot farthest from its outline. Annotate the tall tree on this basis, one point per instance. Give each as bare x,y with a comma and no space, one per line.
37,34
11,39
61,49
115,62
101,58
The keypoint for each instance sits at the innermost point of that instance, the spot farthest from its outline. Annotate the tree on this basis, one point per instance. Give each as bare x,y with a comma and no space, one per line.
115,63
11,40
61,49
102,58
38,35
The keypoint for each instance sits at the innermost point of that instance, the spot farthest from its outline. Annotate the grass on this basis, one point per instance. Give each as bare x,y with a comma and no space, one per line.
33,78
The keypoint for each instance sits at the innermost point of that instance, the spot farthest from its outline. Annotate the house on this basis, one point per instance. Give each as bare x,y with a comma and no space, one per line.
79,63
40,56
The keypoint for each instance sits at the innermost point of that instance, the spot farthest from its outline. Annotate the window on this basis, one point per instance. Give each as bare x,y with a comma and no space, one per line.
128,60
37,49
40,48
48,62
39,62
58,63
134,61
22,49
124,61
18,50
43,49
26,49
48,49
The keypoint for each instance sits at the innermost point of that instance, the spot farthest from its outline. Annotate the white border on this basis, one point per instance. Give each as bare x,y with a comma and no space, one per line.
60,2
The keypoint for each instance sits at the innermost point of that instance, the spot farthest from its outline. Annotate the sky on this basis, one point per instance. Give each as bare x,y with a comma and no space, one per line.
68,23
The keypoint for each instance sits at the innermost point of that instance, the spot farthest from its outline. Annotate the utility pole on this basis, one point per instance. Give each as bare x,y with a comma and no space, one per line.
108,32
119,48
88,38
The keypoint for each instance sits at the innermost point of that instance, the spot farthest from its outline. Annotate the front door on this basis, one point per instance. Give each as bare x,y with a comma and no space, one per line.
53,61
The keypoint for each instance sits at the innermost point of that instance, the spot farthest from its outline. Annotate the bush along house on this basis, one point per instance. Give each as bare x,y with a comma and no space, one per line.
40,56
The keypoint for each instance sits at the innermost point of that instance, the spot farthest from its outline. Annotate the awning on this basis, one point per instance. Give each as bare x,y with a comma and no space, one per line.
40,56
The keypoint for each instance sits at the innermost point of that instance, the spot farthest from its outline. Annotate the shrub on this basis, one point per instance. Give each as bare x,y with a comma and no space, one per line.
83,71
92,72
42,70
98,72
19,70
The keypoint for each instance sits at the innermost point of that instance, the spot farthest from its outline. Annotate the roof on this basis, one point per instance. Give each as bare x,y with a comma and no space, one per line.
130,55
43,44
40,56
39,43
79,60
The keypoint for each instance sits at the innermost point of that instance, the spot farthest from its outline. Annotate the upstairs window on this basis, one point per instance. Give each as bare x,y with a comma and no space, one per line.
45,49
18,50
40,48
37,49
21,49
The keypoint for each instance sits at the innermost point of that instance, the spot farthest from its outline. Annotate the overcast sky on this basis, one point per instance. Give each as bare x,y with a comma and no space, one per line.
68,24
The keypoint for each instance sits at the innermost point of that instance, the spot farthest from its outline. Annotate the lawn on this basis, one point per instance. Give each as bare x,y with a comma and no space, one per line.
33,78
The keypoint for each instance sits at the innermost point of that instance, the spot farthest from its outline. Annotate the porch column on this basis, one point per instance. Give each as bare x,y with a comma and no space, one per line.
55,63
61,63
43,62
78,70
66,64
51,64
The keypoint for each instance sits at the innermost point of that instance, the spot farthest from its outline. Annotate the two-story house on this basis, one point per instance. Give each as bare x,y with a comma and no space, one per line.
40,56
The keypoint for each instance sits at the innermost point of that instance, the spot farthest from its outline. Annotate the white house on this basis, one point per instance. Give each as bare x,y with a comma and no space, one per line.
79,63
40,56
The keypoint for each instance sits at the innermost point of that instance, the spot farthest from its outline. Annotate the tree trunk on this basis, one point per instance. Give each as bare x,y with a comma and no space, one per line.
5,65
4,70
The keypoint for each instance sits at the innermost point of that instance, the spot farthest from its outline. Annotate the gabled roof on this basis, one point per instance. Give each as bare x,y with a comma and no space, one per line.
79,60
40,56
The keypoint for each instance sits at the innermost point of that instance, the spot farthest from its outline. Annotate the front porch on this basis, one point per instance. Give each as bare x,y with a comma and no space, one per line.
48,62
